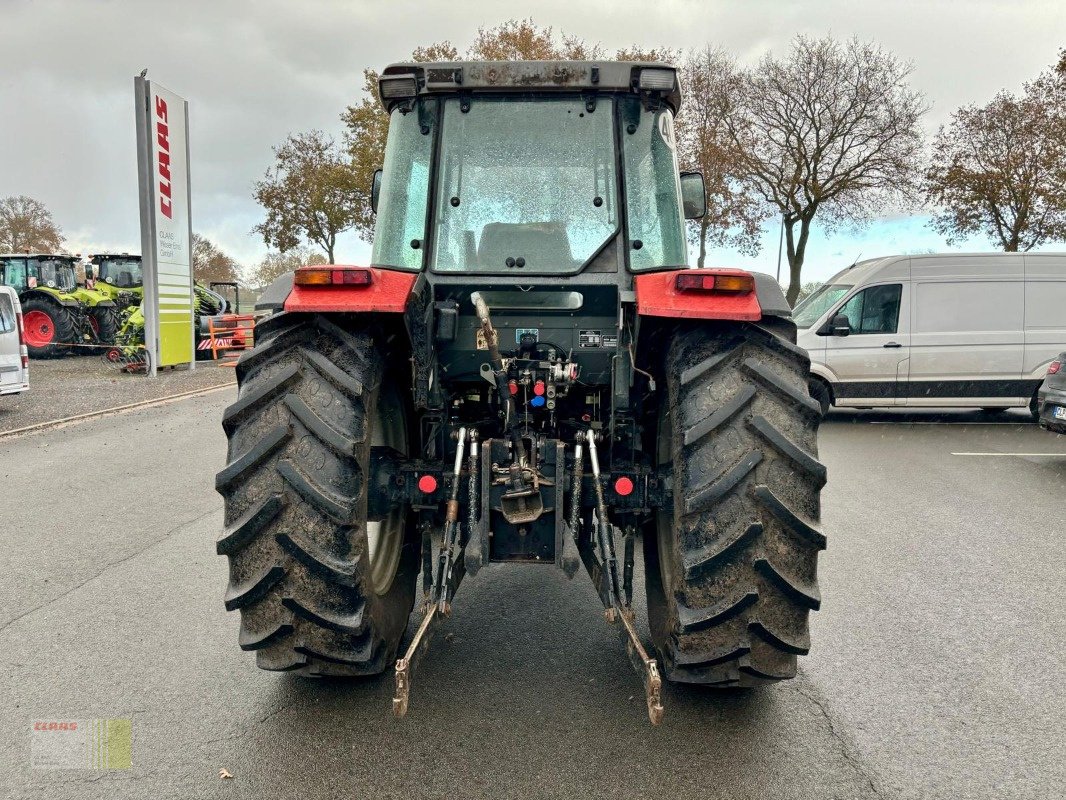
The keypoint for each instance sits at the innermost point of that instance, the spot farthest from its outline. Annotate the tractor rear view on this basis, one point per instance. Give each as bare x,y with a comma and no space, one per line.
528,373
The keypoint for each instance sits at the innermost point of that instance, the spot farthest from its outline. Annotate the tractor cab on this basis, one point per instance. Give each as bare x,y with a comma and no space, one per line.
54,272
27,272
531,169
118,276
120,271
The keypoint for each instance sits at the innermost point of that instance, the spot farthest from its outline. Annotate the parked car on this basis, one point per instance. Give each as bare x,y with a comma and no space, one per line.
1052,396
971,330
14,357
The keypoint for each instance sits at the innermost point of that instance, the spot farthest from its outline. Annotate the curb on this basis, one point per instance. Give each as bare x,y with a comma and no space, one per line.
158,401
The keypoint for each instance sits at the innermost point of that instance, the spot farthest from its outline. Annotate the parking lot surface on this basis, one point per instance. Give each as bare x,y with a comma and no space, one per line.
935,672
66,387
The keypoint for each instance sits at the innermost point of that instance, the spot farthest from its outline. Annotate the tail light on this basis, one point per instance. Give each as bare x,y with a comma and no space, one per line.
1054,367
715,281
333,276
22,340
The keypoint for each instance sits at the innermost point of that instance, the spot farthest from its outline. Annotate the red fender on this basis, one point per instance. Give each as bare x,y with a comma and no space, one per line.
658,296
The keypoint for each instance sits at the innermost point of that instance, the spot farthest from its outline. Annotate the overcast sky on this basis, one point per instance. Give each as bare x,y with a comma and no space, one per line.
254,71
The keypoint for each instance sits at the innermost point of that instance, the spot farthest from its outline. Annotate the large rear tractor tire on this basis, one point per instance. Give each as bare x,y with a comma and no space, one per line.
321,591
732,567
50,328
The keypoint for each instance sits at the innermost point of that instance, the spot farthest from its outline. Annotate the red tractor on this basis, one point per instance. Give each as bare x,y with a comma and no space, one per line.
526,372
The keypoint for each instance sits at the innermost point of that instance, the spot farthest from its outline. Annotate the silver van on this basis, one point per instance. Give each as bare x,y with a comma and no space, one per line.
14,358
970,330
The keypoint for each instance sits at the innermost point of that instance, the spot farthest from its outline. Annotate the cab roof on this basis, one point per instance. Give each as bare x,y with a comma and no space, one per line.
66,256
453,77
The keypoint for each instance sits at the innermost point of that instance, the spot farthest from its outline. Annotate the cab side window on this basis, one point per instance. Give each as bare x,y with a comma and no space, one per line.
874,310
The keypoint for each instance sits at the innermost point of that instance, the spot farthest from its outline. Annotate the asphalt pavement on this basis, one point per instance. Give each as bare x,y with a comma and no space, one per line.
936,669
80,384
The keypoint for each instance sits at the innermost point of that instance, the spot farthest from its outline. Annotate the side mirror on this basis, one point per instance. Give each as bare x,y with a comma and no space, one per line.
840,326
693,195
375,191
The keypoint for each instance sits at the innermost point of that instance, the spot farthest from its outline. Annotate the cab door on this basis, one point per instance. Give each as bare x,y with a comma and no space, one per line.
870,360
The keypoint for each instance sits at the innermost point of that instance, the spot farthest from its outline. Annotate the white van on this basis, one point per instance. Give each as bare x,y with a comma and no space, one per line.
973,330
14,358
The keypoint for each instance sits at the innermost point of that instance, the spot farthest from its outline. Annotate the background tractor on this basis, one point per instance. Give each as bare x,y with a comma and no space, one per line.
57,312
129,340
527,372
118,275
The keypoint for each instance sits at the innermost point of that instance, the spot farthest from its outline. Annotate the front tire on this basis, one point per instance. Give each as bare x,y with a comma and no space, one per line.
305,572
50,328
731,567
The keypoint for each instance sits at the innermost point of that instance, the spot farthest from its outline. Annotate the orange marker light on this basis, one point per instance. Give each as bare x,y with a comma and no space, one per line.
313,277
333,276
715,282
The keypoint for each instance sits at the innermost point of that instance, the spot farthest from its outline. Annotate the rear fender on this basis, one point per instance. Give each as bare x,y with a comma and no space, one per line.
52,297
387,293
657,296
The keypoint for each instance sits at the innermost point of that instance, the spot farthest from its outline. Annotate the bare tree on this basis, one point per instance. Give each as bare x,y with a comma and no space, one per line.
27,225
209,263
311,193
1000,169
832,127
665,55
367,127
524,40
734,215
274,265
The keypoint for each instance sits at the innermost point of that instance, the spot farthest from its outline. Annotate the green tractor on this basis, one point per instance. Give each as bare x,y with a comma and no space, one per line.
129,347
118,275
57,312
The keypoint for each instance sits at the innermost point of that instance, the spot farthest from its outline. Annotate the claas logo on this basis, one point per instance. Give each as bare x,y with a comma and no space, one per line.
162,137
